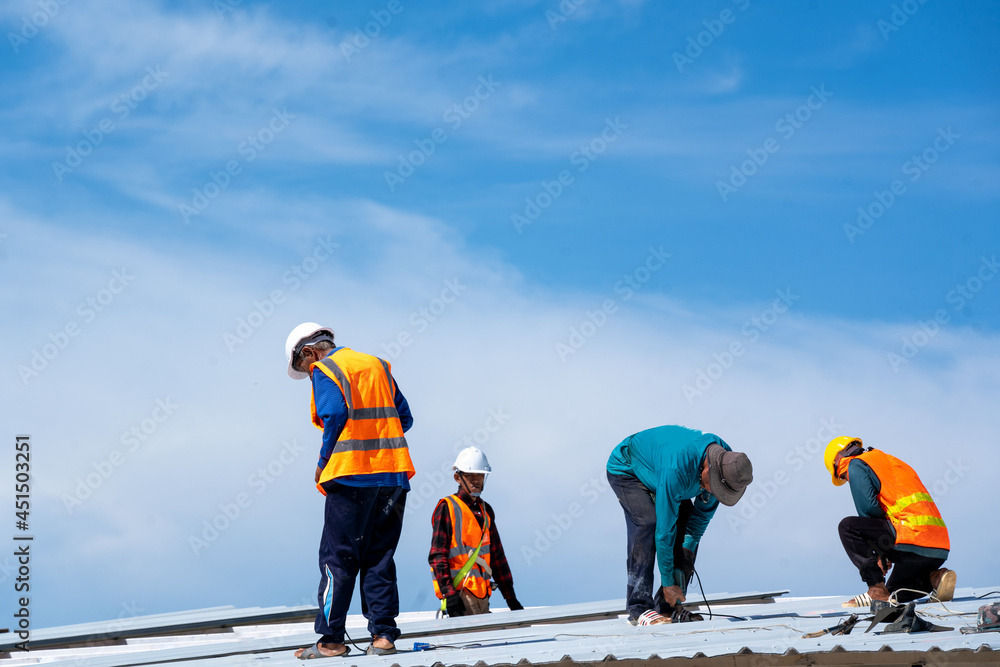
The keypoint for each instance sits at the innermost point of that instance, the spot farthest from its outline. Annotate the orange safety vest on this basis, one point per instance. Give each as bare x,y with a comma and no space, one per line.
372,439
465,537
905,500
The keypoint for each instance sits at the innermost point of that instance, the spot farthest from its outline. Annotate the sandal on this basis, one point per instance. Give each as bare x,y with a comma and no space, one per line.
863,600
375,650
651,617
313,652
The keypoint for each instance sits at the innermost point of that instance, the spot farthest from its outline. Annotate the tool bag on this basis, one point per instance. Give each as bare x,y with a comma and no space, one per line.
989,619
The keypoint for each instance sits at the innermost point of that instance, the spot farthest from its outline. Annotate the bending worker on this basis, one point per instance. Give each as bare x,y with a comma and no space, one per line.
363,470
670,480
898,526
466,551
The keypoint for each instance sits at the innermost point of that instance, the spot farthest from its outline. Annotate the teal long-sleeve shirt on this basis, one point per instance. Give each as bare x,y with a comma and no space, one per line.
668,461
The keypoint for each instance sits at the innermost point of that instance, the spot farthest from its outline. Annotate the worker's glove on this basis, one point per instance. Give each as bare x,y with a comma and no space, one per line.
514,605
454,605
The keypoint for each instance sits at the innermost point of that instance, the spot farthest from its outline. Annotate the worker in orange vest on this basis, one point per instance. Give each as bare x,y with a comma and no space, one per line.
899,527
364,470
466,552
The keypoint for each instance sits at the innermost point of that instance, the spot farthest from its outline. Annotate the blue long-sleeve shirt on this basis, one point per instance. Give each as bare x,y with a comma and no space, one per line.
332,409
668,461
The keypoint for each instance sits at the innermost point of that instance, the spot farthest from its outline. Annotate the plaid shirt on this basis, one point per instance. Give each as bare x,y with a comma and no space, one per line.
441,545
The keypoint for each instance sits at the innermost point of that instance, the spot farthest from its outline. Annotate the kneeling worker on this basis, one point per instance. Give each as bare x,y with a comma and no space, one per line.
466,551
898,526
670,480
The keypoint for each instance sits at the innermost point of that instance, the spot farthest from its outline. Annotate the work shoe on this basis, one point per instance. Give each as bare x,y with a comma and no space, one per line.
650,617
875,592
943,581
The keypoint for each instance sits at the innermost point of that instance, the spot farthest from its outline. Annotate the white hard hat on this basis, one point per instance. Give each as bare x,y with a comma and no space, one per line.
299,334
471,460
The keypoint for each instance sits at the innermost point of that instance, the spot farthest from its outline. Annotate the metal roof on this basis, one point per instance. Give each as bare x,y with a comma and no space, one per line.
160,624
587,633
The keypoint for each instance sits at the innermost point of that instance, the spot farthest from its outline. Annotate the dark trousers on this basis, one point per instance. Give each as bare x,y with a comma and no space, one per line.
640,527
360,532
866,540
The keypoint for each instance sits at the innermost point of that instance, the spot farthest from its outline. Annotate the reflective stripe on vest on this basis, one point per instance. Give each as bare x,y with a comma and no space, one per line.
466,535
372,439
905,500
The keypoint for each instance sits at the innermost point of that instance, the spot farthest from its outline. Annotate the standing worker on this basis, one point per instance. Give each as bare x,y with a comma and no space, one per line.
898,526
670,480
466,551
364,470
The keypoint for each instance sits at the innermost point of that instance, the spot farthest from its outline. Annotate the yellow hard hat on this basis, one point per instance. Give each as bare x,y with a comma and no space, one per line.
835,447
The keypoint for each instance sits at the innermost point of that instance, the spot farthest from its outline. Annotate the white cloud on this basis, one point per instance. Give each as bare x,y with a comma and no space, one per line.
493,348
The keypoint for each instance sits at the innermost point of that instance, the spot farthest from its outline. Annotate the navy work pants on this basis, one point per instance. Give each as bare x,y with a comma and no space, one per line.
360,532
865,539
640,527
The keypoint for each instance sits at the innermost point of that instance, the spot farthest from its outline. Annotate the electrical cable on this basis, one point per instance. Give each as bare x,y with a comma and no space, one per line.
980,597
348,635
931,598
705,598
702,589
893,600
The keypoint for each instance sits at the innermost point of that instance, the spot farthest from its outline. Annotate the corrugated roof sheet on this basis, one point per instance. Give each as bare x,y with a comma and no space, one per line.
160,624
553,634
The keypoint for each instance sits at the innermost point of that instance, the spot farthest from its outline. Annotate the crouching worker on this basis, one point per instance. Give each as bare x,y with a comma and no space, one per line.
899,527
466,551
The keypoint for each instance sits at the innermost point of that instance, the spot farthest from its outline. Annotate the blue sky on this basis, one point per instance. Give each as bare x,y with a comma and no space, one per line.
771,221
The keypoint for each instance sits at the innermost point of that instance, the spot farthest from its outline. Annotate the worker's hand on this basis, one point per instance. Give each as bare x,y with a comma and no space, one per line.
514,605
454,605
673,595
319,471
884,565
